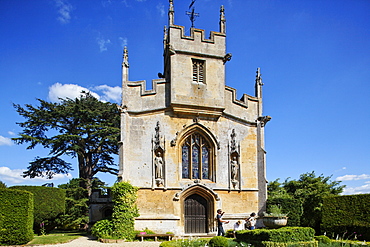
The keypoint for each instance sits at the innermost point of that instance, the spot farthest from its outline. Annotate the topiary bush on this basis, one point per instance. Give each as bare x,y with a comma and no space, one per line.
284,234
346,214
16,217
49,203
218,241
185,243
323,239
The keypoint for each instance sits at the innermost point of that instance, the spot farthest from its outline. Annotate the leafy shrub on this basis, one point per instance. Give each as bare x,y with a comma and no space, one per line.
103,229
218,241
229,233
49,203
323,239
284,234
146,230
124,211
16,217
185,243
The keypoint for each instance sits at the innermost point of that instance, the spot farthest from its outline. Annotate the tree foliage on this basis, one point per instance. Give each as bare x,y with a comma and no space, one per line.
121,226
76,214
2,185
83,128
311,190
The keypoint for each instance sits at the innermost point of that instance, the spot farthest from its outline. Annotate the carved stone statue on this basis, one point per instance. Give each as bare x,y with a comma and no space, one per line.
158,164
234,169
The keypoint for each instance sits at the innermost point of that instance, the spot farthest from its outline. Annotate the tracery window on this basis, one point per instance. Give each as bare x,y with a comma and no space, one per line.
198,71
196,157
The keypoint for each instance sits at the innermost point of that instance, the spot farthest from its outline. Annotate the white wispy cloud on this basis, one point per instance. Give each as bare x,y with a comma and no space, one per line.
363,189
5,141
103,44
11,133
160,8
64,11
14,176
63,91
123,41
109,93
102,92
353,177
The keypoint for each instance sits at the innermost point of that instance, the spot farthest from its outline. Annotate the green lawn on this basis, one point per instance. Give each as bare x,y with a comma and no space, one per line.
56,237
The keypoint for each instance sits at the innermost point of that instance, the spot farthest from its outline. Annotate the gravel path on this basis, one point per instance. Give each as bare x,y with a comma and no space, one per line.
89,242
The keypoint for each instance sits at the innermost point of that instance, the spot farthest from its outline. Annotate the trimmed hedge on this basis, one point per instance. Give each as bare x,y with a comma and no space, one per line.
347,216
288,244
281,235
49,203
291,206
16,217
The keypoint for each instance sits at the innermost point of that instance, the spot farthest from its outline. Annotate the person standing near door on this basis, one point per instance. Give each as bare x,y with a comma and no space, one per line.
220,221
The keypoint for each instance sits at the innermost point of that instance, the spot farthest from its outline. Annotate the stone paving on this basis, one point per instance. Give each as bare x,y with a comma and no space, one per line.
90,242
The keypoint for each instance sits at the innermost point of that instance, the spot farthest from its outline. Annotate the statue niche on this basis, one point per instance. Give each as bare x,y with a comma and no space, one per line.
234,155
158,157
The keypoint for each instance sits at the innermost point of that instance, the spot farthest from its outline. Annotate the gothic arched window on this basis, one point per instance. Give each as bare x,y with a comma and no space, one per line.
196,160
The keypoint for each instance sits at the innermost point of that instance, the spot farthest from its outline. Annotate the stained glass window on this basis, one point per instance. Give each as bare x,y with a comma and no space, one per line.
195,157
185,161
205,163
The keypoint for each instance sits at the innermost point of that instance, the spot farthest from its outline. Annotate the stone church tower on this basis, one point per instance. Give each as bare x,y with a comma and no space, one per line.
189,144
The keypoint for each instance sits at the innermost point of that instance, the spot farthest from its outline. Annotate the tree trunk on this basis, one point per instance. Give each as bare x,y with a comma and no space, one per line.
85,174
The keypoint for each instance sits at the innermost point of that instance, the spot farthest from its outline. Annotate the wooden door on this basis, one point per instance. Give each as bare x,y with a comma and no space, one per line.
196,208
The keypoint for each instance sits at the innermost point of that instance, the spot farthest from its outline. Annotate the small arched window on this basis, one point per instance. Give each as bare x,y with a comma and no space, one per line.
196,163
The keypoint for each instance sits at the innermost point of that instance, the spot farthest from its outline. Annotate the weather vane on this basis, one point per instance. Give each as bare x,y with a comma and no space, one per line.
192,14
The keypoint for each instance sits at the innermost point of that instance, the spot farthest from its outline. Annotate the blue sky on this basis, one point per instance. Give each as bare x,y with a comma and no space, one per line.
314,57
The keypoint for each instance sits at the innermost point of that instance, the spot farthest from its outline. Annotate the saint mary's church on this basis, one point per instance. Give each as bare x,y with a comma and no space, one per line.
188,144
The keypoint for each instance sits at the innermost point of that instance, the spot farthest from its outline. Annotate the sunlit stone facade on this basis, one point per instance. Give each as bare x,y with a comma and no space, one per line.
188,143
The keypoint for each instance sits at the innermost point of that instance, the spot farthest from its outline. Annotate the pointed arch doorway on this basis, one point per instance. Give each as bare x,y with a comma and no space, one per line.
196,214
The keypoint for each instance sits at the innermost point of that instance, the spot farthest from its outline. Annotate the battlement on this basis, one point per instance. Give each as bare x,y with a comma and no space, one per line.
197,43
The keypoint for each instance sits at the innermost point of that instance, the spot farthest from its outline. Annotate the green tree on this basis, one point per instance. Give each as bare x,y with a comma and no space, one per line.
76,214
311,190
2,185
83,128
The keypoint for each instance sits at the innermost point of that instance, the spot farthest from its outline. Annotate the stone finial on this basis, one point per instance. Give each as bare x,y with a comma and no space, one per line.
125,57
258,84
222,20
259,77
171,14
125,65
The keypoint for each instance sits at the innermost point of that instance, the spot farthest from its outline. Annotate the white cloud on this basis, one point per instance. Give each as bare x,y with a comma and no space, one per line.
123,41
109,93
103,44
11,133
64,10
103,92
71,91
5,141
160,8
14,176
353,177
364,189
